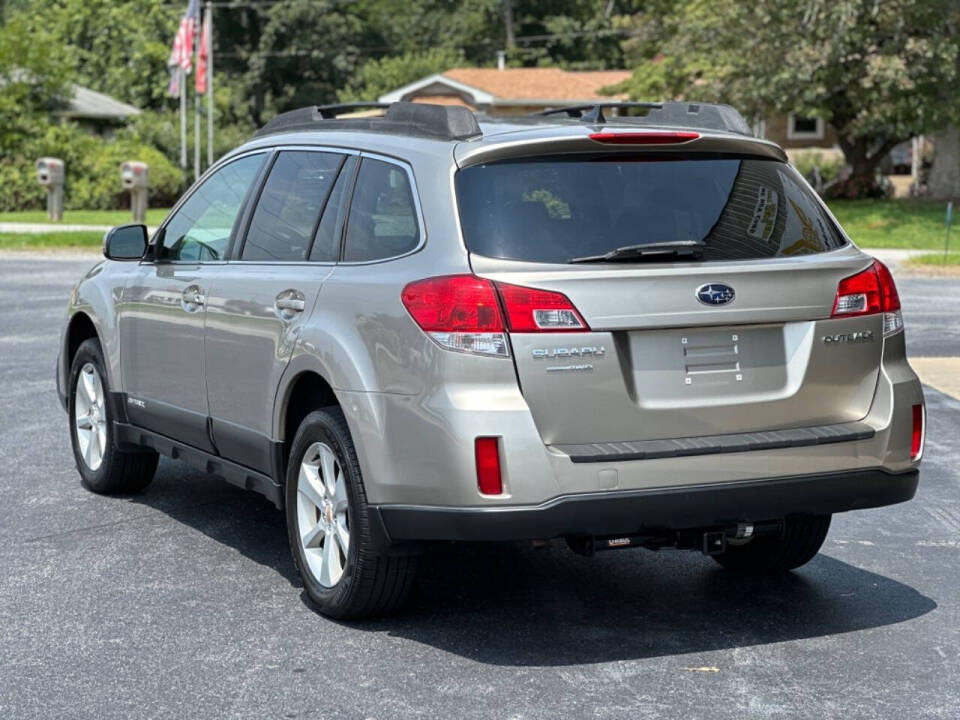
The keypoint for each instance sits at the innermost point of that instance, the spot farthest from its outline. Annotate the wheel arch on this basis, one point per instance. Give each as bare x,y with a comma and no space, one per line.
304,392
80,328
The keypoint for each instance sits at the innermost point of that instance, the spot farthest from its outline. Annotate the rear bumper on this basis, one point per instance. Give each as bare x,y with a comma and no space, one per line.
636,511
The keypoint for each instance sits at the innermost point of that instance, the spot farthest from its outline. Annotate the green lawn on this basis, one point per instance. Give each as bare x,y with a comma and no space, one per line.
904,223
85,217
953,259
51,240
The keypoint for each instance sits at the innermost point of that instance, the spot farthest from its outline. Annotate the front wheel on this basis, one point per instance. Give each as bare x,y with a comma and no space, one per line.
797,545
103,468
328,525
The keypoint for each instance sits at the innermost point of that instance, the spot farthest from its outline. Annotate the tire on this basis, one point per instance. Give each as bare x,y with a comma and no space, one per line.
800,541
324,498
103,468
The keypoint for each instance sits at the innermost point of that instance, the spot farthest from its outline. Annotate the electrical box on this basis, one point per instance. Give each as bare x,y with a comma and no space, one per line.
50,171
134,175
50,174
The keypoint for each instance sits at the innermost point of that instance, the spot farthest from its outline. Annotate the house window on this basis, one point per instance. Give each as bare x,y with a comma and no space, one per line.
800,127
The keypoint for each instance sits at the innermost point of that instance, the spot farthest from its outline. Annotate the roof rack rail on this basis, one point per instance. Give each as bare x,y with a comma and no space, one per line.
439,122
706,116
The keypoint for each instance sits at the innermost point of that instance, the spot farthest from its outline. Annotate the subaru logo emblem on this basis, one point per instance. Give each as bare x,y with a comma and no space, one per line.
715,294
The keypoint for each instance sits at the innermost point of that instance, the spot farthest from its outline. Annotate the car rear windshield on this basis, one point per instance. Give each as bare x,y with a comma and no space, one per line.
554,210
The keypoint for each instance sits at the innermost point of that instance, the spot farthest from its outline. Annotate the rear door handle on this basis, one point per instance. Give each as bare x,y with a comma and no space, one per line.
289,304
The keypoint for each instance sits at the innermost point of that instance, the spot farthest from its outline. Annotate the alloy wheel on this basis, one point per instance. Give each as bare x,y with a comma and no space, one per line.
90,417
323,514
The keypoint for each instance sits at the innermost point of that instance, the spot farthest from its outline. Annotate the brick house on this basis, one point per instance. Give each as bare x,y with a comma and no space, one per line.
510,91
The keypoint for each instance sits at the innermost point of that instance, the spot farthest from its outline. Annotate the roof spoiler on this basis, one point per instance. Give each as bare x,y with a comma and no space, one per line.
439,122
704,116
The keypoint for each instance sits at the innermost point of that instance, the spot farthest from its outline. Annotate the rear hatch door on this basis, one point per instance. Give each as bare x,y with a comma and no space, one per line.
737,339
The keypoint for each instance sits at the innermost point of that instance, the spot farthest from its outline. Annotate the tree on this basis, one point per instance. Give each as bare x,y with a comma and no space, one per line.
34,81
377,77
118,48
308,50
879,71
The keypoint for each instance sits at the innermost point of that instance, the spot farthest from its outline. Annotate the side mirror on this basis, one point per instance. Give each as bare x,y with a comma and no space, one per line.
126,242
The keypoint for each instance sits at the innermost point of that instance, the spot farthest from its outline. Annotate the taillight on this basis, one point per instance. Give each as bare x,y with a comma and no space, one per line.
535,311
644,138
489,480
460,312
916,439
463,312
869,292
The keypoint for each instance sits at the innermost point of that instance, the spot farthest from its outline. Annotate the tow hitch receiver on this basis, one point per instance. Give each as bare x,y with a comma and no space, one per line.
715,542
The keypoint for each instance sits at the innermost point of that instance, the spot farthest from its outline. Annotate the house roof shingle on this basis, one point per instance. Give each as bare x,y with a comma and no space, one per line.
538,83
486,87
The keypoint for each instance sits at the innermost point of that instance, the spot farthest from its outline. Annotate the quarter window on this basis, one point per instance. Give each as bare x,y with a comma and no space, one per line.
200,229
383,219
290,204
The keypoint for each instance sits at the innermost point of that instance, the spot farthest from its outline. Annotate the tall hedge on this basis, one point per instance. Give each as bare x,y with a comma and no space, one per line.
93,171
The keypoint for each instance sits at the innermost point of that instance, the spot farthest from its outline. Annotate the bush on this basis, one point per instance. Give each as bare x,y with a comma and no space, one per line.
853,188
806,160
93,171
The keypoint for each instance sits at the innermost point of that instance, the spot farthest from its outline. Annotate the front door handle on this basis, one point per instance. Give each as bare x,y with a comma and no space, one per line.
193,298
289,304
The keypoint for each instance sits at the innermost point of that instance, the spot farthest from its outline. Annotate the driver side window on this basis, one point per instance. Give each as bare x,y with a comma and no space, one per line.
200,230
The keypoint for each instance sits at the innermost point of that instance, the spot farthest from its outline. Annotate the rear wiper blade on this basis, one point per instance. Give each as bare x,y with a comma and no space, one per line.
649,251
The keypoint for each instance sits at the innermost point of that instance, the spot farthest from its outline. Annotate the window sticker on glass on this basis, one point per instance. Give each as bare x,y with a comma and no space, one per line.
805,232
764,214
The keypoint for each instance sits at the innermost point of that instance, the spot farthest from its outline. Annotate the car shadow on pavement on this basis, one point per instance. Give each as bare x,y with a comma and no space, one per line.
243,520
509,604
512,605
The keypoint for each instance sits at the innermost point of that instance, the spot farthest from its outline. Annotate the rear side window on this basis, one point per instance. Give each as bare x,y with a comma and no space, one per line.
326,245
290,204
383,218
557,209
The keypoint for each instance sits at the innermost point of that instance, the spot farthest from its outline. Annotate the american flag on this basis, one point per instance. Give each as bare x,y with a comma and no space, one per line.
203,56
181,56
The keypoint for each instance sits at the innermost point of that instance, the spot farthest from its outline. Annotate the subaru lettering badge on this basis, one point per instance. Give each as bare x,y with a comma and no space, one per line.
715,294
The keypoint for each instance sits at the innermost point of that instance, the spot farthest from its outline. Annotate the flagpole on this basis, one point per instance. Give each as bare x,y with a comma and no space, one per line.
196,135
209,83
183,122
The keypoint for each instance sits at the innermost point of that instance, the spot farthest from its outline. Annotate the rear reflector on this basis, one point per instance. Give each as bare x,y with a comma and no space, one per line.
530,310
916,441
488,466
867,293
644,138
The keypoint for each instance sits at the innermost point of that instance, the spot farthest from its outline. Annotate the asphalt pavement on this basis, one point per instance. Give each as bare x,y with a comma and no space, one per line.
183,602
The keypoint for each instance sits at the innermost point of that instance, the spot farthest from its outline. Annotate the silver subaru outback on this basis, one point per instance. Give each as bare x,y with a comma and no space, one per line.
621,325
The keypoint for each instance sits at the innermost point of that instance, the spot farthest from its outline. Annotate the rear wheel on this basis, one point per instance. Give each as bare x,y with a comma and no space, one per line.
103,467
328,524
800,541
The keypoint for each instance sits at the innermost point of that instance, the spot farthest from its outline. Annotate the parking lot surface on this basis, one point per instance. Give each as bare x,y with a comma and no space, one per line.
183,601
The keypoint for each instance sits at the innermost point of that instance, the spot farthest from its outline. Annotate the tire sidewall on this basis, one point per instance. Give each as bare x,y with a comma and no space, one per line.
90,352
320,426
